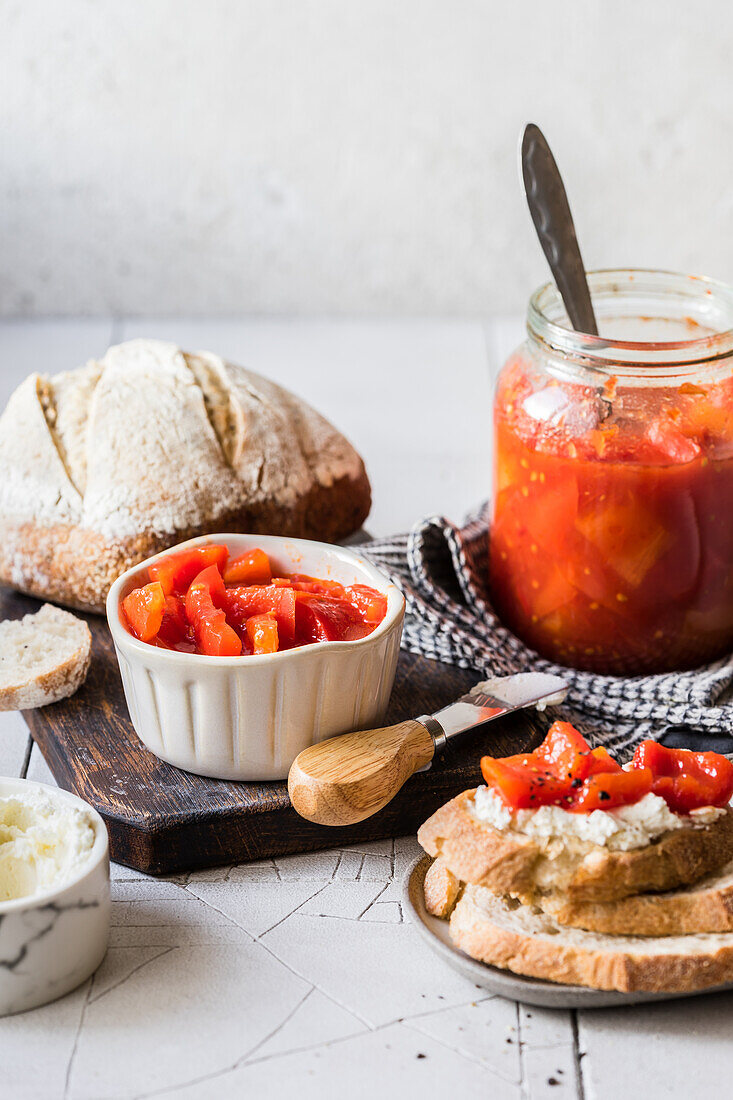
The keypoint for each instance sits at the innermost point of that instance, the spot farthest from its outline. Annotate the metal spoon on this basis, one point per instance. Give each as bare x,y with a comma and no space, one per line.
550,210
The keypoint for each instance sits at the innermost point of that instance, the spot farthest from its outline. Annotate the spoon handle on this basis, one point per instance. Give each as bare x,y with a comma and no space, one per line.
550,210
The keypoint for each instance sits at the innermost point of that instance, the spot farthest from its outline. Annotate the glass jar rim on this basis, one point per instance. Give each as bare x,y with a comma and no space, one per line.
546,309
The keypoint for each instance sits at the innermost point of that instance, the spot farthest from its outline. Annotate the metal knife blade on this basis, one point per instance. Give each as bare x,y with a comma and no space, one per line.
495,697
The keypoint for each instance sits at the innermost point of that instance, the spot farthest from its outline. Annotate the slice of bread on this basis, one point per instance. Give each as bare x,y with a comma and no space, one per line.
705,907
526,867
526,941
43,658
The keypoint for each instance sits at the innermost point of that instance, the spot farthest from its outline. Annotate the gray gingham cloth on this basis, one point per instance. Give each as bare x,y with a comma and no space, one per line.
442,570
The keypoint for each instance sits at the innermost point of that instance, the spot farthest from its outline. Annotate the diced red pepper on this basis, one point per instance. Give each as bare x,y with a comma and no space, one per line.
607,790
190,607
177,571
301,582
326,619
523,783
601,761
262,633
144,609
564,771
252,567
687,780
242,603
214,636
175,629
565,751
370,603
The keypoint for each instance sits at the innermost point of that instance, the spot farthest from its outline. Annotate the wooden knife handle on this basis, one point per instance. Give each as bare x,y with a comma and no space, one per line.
348,778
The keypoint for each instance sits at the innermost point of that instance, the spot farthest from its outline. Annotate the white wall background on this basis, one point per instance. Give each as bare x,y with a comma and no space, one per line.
349,156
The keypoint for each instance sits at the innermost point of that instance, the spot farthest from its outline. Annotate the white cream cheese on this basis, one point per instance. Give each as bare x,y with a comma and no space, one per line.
621,829
43,843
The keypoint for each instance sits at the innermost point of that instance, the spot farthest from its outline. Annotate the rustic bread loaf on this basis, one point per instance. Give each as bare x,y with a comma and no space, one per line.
43,658
527,867
522,939
103,466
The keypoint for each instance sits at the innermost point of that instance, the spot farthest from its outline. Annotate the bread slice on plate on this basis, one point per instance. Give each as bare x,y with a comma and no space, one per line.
522,939
43,658
509,862
705,907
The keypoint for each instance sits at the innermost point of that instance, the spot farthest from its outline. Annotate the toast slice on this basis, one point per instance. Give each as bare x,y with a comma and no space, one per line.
508,862
43,658
526,941
705,907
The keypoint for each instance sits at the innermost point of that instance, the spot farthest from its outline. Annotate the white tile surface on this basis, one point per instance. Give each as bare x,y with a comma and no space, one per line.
188,1012
659,1050
14,743
299,974
38,769
36,1048
391,1062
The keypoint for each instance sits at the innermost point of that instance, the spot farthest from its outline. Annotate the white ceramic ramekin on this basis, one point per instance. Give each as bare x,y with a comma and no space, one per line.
249,717
50,943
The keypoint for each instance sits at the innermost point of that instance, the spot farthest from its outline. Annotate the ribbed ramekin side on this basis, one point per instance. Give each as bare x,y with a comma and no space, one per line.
249,722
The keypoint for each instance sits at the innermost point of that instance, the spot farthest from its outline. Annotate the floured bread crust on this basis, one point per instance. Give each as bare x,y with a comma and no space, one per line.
528,867
517,937
104,466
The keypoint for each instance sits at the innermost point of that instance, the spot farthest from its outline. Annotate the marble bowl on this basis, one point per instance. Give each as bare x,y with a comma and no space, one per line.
51,942
247,718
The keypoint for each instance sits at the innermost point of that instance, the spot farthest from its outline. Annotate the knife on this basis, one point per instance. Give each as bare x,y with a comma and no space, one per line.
348,778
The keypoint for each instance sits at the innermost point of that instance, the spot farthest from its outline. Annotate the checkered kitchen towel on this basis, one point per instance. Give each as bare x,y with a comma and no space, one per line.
442,568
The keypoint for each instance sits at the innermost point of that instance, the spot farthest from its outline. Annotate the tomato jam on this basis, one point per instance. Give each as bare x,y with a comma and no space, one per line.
202,601
564,771
611,544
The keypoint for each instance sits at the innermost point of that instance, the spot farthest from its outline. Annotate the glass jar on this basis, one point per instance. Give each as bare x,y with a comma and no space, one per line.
611,544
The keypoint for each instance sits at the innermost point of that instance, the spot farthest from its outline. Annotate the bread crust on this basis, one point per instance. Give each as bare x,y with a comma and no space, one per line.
75,566
482,926
509,863
440,889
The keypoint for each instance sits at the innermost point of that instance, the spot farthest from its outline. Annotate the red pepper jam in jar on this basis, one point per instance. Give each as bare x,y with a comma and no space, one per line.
611,545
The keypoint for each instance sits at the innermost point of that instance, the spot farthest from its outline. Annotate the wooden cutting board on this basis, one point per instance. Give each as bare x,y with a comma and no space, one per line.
161,819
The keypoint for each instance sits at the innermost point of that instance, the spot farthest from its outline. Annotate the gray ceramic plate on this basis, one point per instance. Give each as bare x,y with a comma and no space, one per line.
530,991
